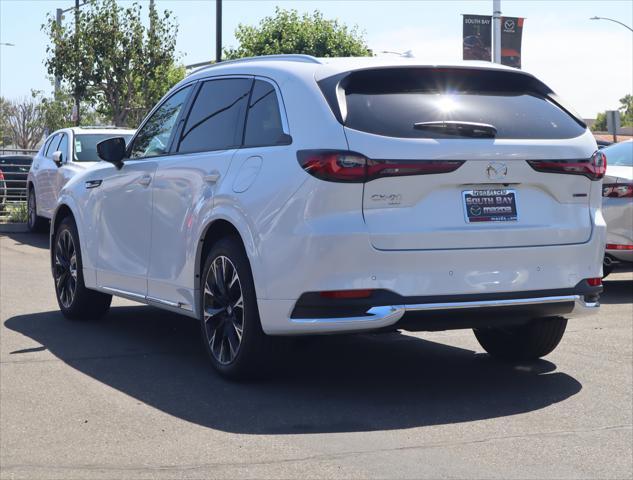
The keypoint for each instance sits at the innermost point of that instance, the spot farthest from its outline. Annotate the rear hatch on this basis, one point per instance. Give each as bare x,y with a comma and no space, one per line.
475,158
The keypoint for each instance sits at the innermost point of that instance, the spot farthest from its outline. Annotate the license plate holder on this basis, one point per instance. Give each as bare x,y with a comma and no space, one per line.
490,205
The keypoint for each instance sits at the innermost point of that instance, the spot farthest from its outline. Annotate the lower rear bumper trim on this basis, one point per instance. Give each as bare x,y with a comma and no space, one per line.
387,315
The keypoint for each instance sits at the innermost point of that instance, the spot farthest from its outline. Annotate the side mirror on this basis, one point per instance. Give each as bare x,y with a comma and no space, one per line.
112,150
58,158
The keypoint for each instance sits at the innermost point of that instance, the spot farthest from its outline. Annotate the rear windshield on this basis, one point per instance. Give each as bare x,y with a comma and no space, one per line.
390,102
620,154
85,148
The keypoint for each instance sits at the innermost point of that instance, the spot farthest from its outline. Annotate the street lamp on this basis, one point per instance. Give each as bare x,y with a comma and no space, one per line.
407,54
8,44
612,20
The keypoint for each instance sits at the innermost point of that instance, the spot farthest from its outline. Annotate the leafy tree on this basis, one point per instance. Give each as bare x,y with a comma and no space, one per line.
625,111
112,60
5,136
56,111
626,107
289,32
26,123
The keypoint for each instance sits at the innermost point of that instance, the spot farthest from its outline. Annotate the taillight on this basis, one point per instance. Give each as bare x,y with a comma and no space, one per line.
344,166
1,175
593,168
618,246
594,282
616,190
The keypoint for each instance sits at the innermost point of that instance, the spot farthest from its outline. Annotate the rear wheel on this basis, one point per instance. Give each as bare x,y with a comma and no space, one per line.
231,329
74,299
34,223
524,342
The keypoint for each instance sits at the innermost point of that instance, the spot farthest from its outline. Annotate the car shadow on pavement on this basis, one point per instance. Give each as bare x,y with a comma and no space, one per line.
37,240
617,292
350,383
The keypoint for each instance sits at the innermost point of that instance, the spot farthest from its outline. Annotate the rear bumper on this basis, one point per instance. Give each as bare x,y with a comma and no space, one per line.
313,316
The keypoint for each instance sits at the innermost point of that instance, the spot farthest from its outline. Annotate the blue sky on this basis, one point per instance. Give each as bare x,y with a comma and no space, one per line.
587,62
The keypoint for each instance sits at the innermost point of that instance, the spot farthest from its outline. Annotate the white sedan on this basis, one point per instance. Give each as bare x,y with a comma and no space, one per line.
617,205
63,155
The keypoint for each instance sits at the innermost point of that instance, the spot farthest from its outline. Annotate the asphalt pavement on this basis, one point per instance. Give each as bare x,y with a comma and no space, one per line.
133,396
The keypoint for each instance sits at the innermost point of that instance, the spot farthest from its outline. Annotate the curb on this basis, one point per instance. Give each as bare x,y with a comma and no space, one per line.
13,228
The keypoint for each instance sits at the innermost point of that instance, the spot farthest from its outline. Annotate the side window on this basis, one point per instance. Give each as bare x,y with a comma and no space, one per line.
216,120
63,147
153,138
263,122
52,146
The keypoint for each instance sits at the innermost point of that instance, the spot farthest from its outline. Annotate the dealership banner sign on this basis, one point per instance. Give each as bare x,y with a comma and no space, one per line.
511,32
477,39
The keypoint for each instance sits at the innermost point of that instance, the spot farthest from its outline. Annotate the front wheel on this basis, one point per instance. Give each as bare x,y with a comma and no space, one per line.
74,299
524,342
231,329
34,223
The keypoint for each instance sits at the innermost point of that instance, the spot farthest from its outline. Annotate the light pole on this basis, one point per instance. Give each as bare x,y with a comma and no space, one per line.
218,31
612,20
59,16
496,31
8,44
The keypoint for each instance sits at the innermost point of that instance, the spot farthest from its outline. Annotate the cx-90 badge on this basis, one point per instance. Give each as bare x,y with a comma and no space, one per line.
496,170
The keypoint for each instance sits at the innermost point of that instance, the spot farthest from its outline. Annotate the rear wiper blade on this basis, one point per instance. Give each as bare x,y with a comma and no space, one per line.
462,129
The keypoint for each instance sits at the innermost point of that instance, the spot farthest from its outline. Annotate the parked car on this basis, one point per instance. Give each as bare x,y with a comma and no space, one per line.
617,205
16,170
64,154
289,195
603,143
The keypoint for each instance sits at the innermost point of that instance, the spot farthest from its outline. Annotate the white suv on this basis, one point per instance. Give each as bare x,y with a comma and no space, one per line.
64,154
289,195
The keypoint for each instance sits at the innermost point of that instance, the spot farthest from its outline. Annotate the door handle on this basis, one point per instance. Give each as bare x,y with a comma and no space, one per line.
213,177
93,183
145,180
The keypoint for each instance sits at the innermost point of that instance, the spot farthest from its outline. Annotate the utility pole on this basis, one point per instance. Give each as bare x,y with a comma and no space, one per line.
151,15
496,31
218,31
77,116
58,22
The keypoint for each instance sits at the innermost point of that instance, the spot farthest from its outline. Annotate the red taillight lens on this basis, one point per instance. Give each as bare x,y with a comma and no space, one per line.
593,168
334,165
344,166
616,190
1,175
618,246
594,282
347,294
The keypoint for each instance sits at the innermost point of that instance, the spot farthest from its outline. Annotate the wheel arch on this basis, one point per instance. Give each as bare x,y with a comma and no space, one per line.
220,227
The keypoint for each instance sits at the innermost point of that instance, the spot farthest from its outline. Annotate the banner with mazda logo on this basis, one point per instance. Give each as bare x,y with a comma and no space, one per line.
511,32
477,39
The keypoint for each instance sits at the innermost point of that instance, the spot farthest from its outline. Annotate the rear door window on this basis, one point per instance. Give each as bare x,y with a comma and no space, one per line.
216,119
263,121
390,102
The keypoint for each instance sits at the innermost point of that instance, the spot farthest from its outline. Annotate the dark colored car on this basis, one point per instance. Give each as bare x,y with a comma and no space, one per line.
15,169
603,143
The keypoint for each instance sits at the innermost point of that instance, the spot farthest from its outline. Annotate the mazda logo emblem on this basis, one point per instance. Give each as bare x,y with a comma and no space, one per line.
496,170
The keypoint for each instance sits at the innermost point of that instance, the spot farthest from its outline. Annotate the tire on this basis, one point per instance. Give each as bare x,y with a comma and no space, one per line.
75,300
231,329
34,223
525,342
606,270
